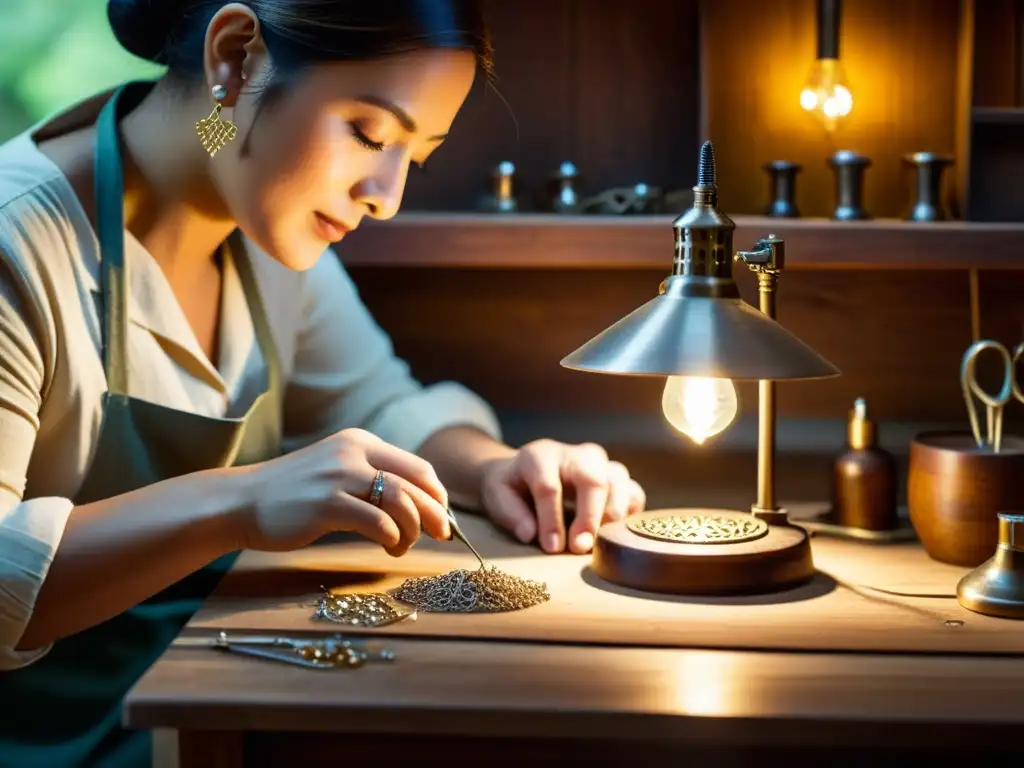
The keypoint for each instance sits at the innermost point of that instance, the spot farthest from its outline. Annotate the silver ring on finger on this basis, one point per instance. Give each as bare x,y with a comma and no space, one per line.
377,490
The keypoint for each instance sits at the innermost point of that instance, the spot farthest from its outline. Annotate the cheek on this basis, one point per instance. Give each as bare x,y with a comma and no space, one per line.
272,190
303,170
288,175
284,168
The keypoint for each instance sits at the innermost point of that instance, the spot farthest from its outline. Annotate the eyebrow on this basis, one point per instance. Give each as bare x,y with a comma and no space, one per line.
403,117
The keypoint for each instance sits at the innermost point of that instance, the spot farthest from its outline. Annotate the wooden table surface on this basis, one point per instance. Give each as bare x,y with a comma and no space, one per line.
612,702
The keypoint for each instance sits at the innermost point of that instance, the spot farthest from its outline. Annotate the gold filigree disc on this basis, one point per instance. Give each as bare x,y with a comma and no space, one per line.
699,529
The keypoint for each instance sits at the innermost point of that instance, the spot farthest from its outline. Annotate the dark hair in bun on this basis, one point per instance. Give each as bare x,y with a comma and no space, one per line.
302,32
140,26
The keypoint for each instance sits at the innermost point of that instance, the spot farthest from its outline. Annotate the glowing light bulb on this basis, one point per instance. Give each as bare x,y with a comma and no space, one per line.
699,407
826,93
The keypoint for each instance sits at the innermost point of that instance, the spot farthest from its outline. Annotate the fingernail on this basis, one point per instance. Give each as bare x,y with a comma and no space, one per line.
585,542
524,531
551,542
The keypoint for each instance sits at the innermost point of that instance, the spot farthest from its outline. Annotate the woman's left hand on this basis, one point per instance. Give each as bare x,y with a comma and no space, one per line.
524,493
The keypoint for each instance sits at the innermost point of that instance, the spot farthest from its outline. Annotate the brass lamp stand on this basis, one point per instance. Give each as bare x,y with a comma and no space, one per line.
698,326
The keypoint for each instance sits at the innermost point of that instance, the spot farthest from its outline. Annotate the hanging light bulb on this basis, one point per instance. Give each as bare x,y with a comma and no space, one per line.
826,94
699,407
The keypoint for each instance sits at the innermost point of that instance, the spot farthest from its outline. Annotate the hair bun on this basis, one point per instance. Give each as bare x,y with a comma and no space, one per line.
142,27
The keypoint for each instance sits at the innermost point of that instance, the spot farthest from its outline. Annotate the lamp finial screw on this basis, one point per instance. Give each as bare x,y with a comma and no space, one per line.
706,169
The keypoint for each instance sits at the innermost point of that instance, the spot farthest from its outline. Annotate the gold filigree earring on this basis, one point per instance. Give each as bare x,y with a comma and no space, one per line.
214,131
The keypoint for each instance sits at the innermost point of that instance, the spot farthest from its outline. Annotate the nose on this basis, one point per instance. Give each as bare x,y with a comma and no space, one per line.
381,192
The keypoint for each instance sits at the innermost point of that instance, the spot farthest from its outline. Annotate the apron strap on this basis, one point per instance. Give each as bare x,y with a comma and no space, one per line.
109,183
109,192
234,248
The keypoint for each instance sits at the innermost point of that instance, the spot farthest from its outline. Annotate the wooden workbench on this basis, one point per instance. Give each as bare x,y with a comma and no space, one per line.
475,700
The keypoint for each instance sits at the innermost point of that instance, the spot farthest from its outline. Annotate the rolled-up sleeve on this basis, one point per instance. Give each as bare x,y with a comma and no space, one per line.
30,531
346,374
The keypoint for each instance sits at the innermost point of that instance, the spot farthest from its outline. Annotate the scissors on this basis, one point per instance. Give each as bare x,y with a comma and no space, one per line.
994,405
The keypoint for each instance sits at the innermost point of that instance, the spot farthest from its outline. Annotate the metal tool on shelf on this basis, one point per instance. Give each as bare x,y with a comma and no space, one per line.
849,169
502,197
928,173
782,174
563,196
640,198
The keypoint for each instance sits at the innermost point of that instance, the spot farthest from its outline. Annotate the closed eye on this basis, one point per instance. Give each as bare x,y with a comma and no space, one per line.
365,141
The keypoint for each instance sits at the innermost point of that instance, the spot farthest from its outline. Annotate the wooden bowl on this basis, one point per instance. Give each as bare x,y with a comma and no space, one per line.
956,490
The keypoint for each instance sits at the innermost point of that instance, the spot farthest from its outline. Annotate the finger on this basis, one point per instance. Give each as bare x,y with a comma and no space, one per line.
430,496
400,507
433,517
413,468
424,513
348,513
637,498
620,490
587,471
537,466
509,510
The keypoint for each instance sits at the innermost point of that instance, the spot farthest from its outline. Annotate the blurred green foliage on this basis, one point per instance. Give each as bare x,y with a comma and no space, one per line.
54,53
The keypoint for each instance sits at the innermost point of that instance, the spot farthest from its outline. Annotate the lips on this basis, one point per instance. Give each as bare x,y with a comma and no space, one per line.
330,229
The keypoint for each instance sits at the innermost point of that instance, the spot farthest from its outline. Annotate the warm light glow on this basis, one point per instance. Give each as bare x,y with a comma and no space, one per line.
707,684
826,93
699,407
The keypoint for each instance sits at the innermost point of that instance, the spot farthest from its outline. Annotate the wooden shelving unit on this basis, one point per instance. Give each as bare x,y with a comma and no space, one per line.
998,116
628,95
627,92
539,241
991,110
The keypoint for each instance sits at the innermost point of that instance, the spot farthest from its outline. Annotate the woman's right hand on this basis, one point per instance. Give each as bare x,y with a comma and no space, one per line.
325,487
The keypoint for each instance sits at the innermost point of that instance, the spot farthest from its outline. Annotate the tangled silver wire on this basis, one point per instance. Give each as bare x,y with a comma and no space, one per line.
485,590
452,592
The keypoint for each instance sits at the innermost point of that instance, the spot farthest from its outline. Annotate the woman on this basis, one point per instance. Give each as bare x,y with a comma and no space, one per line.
182,375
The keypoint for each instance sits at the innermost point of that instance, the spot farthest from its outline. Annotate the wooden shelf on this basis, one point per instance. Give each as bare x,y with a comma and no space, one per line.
537,241
998,116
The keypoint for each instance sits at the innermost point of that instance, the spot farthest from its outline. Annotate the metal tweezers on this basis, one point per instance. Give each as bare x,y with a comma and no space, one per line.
290,651
458,534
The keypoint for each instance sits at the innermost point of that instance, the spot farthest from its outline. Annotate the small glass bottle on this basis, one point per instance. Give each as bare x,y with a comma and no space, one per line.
864,484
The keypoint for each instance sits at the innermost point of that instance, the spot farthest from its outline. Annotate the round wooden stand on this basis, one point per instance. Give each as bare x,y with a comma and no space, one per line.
779,558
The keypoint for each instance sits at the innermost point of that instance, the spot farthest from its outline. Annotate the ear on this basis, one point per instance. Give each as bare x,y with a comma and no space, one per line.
234,43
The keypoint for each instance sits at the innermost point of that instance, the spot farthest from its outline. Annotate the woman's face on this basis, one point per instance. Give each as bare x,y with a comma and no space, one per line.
335,146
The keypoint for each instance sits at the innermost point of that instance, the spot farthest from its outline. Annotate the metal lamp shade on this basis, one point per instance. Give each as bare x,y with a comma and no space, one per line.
685,335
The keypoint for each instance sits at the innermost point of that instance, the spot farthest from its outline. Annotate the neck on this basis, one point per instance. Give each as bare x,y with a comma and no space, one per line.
172,204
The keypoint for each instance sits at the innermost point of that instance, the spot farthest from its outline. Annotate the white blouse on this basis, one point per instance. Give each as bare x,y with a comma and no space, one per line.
339,365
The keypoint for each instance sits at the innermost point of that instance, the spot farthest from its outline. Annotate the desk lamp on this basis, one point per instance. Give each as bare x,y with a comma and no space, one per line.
701,335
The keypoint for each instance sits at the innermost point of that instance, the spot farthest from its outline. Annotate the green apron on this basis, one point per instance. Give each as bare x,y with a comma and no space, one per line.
65,710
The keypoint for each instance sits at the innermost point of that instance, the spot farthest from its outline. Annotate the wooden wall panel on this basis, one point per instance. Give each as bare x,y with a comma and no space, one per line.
996,81
898,336
636,83
524,114
611,86
991,127
900,58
